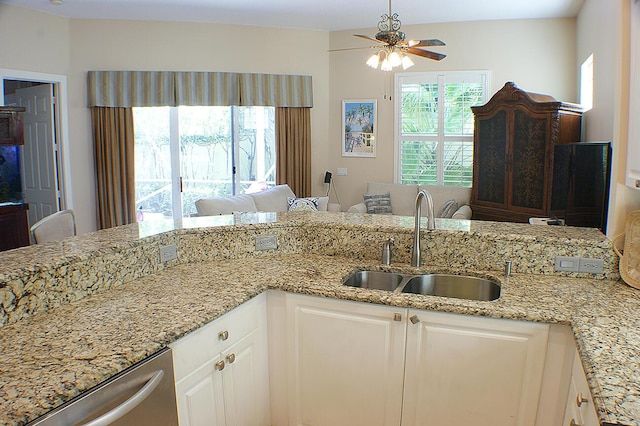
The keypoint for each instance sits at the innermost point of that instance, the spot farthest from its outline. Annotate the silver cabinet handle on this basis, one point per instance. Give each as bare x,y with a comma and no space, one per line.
414,319
219,365
397,317
581,400
231,358
131,403
223,335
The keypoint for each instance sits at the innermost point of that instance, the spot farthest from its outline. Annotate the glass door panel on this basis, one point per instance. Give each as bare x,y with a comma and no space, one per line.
256,159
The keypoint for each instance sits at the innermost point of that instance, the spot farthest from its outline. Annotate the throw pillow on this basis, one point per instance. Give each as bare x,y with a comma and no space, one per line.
303,204
378,203
448,209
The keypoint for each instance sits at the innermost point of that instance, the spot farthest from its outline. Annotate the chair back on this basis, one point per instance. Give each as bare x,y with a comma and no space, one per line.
54,227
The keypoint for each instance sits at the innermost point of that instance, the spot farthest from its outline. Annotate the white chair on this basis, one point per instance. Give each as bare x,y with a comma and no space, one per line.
54,227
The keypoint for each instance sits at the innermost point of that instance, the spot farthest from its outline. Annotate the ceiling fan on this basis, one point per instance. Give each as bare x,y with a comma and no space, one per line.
394,46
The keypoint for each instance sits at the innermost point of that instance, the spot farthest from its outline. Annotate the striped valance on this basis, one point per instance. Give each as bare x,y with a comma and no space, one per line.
131,88
276,90
174,88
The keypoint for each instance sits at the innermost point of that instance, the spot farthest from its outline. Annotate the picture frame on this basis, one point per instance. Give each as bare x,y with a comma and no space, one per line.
359,127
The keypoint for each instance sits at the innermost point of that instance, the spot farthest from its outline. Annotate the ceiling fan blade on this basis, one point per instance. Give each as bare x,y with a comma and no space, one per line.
354,48
429,42
426,53
368,38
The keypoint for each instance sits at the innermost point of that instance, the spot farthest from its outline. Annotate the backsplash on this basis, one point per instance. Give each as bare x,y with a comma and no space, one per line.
39,278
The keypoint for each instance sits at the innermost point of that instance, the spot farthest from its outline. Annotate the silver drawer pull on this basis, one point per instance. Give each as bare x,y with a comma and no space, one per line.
397,317
581,400
219,365
131,403
414,319
223,335
231,358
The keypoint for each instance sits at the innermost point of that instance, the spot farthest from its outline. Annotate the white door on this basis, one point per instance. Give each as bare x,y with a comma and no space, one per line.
464,370
200,396
39,155
245,380
345,362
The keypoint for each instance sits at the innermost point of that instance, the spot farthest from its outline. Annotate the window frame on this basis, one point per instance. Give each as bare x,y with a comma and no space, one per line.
438,77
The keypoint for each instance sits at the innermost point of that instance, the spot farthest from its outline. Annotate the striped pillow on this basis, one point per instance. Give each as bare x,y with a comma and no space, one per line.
448,209
378,203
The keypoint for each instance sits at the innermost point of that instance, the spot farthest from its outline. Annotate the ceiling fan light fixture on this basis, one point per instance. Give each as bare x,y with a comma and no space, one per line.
373,61
386,65
407,62
395,59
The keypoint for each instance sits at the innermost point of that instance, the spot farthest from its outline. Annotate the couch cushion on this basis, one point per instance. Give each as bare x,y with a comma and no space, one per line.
378,203
443,193
225,205
273,199
403,197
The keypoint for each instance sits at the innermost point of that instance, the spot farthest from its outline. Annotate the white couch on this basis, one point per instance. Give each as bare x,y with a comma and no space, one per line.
403,198
273,199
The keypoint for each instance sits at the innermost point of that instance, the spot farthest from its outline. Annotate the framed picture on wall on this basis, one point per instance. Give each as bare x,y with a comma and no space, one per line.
359,128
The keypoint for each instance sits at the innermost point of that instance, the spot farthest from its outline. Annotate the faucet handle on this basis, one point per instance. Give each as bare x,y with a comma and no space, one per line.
386,251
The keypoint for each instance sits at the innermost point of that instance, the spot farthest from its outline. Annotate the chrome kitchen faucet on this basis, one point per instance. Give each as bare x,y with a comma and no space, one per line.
431,223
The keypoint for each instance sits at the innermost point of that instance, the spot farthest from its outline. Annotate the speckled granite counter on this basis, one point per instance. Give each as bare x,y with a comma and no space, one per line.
67,344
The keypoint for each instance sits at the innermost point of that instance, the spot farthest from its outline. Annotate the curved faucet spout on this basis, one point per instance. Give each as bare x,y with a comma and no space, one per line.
431,223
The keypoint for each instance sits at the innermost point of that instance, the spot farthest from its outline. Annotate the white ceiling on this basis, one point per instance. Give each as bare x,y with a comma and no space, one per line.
329,15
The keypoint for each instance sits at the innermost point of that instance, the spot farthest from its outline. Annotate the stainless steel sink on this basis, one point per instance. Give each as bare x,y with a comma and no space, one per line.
376,280
458,286
444,285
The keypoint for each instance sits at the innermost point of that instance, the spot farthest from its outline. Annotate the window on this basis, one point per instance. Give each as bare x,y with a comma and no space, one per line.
434,126
586,83
187,153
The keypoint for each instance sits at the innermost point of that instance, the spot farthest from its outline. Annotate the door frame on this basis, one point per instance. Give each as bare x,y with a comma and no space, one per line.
61,108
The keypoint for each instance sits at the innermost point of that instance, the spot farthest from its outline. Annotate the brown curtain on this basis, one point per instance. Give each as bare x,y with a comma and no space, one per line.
113,145
293,145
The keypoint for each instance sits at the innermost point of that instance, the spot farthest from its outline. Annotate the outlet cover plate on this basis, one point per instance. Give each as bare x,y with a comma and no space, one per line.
591,266
567,264
266,242
168,252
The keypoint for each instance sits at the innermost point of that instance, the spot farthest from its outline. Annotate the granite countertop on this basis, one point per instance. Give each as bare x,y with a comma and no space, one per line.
57,347
57,355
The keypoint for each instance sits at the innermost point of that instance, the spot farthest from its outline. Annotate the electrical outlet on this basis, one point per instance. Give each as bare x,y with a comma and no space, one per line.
591,266
341,171
266,242
567,264
168,252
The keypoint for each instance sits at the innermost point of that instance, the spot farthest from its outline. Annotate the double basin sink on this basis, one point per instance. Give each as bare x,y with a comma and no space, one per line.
445,285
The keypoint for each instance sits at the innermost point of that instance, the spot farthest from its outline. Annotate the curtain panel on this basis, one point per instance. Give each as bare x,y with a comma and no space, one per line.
175,88
114,163
293,145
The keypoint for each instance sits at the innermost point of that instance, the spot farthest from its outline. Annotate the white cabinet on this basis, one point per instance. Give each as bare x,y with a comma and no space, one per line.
472,370
221,370
345,362
580,410
345,365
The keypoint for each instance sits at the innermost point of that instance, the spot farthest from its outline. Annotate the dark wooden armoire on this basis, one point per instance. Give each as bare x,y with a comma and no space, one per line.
513,156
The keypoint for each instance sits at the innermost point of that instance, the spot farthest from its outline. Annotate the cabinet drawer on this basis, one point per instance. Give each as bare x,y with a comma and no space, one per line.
580,395
196,348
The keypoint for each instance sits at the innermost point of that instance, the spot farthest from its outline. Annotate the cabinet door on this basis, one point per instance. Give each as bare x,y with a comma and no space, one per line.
472,370
530,162
246,383
580,409
345,362
490,160
199,396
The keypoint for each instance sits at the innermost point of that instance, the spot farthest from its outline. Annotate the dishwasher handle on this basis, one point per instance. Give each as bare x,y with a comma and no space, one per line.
129,404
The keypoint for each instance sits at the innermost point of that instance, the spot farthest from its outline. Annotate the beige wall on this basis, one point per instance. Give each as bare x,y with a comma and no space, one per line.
608,120
538,55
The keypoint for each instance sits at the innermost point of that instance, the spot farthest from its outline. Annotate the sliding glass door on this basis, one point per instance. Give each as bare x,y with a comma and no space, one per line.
187,153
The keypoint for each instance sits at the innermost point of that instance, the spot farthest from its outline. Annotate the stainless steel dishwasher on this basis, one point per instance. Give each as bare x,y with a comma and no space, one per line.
144,394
